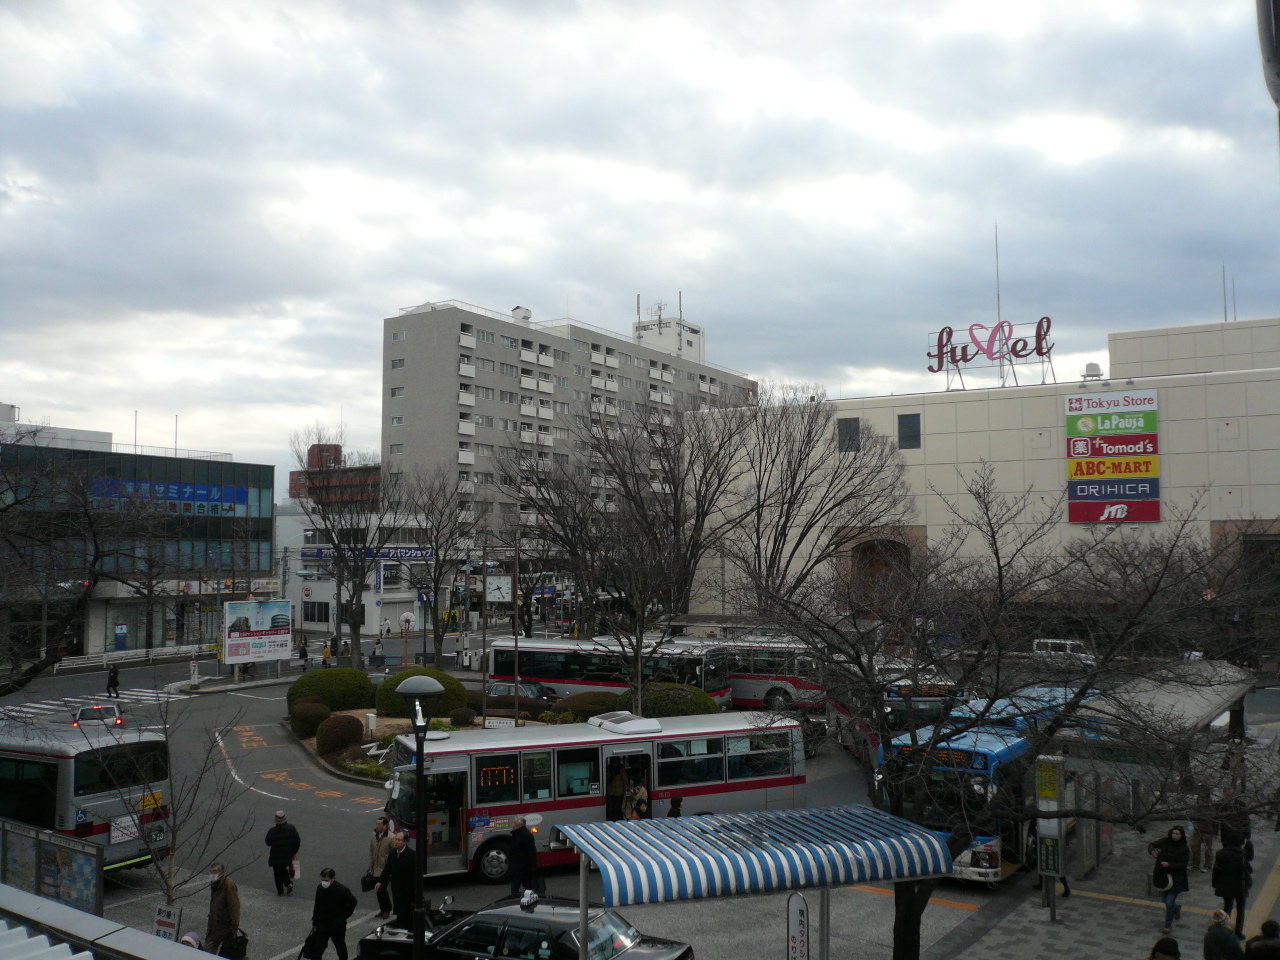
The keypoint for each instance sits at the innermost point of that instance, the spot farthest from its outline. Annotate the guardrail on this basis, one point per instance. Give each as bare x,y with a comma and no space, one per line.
108,657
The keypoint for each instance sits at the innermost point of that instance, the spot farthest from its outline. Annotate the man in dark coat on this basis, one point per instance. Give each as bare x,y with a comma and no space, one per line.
399,875
524,857
224,910
333,908
283,844
1232,878
1266,945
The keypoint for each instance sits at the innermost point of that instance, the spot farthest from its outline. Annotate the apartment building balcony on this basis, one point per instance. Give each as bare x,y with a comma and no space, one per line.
467,456
546,440
528,356
597,481
527,436
597,357
597,383
466,428
466,515
655,373
611,385
466,399
529,519
715,389
597,407
467,340
466,369
528,410
611,361
668,376
466,486
546,413
528,383
666,398
704,387
546,360
546,386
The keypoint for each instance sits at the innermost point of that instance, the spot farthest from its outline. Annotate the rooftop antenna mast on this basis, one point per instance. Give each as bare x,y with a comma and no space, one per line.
1007,367
1224,291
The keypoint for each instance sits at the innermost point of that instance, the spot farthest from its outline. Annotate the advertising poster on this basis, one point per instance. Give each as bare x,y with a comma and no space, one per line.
20,860
258,631
69,876
1113,457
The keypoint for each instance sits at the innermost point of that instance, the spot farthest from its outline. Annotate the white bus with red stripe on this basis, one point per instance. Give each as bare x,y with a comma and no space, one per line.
778,673
586,666
98,782
479,781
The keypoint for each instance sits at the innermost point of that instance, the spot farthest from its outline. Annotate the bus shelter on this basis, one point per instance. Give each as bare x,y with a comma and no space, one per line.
694,857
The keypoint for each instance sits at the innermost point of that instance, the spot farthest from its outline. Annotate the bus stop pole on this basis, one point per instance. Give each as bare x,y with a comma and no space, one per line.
824,922
582,906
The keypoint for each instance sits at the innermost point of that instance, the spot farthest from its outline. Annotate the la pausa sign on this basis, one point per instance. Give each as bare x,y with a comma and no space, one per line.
988,346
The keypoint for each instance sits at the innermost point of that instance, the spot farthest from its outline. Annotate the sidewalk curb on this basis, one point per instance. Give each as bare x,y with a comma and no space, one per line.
324,767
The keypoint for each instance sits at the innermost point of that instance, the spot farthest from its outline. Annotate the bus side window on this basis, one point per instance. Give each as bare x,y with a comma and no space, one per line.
537,776
29,792
684,762
578,771
498,778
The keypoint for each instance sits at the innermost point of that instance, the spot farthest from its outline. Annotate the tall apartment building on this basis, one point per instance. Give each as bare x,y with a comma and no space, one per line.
472,388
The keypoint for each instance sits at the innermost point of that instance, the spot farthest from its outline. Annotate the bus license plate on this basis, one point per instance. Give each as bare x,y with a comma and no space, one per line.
156,833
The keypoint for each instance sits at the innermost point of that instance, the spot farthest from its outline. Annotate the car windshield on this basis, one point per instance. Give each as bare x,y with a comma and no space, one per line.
533,690
608,935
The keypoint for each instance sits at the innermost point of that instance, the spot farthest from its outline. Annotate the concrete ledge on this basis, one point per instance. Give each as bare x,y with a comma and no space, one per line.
318,762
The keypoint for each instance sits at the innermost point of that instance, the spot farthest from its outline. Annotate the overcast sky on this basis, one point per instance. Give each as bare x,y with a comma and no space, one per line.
206,209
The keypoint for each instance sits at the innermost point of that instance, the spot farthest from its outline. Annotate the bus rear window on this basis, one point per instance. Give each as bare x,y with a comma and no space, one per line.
28,792
122,767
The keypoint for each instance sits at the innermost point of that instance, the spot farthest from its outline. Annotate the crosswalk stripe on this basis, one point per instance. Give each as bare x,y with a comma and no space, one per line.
139,697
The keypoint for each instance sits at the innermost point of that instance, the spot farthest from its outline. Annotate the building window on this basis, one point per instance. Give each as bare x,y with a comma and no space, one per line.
511,342
484,450
483,421
625,358
314,611
849,434
509,370
580,395
562,382
562,355
509,396
581,346
397,421
485,393
509,453
579,370
397,392
484,336
560,406
396,448
347,609
483,364
908,431
397,364
560,433
397,336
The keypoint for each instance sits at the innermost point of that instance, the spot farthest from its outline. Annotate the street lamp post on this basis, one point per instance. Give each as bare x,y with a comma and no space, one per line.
420,692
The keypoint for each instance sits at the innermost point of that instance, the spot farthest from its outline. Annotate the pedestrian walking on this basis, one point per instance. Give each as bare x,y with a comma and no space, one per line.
380,846
15,659
283,844
224,910
1266,945
1233,819
302,652
1219,942
324,656
1232,878
1169,876
386,627
676,803
377,646
1166,948
1204,827
524,858
398,875
334,905
113,681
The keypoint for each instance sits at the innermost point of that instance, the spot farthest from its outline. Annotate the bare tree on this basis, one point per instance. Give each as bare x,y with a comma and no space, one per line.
356,507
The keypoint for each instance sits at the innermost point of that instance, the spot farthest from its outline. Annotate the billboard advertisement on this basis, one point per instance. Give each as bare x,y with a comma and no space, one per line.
1113,457
258,630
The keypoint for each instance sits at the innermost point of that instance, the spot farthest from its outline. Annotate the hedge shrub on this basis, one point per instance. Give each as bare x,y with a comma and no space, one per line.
337,733
306,717
311,699
584,706
672,700
462,717
339,688
391,704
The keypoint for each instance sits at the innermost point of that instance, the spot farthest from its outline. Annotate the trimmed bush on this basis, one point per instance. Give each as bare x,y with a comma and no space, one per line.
306,717
339,688
672,700
391,704
462,717
584,706
337,733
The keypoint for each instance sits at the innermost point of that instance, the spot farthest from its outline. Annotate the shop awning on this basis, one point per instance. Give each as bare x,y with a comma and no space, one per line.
687,858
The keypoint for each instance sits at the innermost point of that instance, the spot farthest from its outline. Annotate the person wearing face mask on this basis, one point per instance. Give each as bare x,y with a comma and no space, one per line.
224,910
334,906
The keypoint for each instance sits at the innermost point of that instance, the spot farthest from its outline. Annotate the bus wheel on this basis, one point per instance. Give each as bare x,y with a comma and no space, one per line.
493,862
777,700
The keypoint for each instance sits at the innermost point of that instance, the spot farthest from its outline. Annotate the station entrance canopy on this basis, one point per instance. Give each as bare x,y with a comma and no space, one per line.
692,857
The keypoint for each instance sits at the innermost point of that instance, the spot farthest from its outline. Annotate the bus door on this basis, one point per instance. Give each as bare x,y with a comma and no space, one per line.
623,764
445,833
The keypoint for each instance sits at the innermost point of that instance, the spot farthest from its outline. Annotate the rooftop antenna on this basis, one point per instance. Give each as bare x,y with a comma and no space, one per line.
1234,315
1224,291
1007,367
637,308
680,302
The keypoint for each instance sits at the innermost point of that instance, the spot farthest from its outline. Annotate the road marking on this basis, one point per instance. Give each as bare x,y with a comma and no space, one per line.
933,901
68,705
252,697
1136,901
293,951
283,778
1261,908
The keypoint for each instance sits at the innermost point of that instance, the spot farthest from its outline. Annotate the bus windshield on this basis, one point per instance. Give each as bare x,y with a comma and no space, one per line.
121,767
715,671
948,799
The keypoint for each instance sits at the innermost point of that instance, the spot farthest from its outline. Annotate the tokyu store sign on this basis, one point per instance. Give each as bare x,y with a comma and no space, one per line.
1113,457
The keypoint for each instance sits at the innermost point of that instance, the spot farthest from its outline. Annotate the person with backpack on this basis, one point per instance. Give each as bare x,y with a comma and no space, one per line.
334,905
1169,875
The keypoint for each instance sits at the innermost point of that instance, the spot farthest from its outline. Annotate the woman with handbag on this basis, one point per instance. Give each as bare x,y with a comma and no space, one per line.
1169,875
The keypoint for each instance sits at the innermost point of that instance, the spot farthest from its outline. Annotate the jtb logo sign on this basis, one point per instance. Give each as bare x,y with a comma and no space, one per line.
1115,511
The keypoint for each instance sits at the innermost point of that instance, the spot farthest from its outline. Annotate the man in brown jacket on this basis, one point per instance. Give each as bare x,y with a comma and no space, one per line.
379,850
224,910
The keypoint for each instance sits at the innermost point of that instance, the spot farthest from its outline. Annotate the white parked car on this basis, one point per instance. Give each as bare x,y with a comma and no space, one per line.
1074,652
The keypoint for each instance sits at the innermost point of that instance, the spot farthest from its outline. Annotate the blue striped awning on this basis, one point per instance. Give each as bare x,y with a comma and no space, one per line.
688,858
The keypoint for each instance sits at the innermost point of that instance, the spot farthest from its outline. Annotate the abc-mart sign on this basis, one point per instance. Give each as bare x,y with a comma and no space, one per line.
1113,457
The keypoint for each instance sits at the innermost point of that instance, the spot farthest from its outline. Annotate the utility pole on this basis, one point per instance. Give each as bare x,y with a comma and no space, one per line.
484,628
515,601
